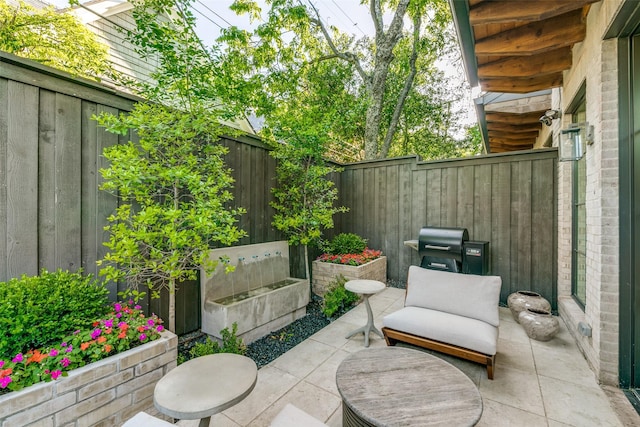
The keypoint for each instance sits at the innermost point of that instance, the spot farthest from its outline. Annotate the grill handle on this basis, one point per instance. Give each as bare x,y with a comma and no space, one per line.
440,248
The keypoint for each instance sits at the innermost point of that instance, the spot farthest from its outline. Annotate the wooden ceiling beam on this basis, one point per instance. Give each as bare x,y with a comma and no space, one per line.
512,135
503,11
536,37
522,85
528,66
514,118
507,142
506,127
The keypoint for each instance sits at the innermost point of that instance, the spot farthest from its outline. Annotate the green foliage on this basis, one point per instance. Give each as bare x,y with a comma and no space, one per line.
338,298
360,98
56,39
40,310
305,196
174,192
123,328
345,243
230,344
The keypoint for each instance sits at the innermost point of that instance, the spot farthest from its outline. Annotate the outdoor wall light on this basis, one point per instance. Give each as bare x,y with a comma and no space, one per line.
573,141
548,117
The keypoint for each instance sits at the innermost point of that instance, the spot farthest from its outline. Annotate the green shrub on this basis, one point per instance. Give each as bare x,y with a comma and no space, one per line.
230,344
346,243
37,311
338,298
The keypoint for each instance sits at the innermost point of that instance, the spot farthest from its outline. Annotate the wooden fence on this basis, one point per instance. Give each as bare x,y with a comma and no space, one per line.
506,199
52,214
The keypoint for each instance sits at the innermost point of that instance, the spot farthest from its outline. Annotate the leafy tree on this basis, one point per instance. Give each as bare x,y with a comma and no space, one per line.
173,188
305,196
384,70
51,38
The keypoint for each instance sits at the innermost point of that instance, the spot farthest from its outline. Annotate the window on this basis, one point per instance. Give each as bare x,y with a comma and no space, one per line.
579,219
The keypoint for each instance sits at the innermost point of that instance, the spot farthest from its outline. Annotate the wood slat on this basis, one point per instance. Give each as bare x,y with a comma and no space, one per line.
515,136
501,243
522,85
22,180
535,38
501,11
514,119
515,129
89,188
552,62
47,181
4,166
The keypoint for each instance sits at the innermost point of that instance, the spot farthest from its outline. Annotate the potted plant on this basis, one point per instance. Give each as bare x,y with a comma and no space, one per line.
347,254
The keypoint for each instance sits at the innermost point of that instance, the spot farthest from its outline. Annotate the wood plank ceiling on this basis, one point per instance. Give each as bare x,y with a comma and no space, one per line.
522,47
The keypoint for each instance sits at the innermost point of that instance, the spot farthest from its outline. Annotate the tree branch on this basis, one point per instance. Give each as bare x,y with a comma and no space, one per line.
347,56
408,83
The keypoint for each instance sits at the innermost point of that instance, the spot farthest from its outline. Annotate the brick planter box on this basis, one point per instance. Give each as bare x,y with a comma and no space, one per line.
323,273
107,392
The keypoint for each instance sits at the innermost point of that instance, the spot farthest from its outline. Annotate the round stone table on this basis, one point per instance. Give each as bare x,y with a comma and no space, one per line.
204,386
365,288
396,386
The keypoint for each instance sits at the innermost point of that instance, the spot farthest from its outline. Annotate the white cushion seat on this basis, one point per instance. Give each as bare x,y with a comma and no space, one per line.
450,328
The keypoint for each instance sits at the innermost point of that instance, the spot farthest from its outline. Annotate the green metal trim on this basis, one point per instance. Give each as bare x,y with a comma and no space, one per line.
625,156
626,21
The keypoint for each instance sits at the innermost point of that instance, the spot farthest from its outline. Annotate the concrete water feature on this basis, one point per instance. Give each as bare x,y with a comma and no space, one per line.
259,295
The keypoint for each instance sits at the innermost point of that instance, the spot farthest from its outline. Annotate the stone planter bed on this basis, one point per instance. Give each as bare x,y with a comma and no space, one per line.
323,273
106,392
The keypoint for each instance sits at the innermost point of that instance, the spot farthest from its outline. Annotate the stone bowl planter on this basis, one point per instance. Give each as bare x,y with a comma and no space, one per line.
106,392
323,273
540,325
521,300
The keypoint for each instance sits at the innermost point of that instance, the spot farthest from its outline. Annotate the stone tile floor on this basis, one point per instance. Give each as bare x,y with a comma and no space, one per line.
536,383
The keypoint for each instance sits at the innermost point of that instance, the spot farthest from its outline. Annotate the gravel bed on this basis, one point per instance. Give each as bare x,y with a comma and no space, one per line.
276,343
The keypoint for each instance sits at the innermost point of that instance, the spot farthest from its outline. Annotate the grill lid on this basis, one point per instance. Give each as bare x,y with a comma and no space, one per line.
442,242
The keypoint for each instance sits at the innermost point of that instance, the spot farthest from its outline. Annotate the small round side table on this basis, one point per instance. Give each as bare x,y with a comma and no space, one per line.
365,288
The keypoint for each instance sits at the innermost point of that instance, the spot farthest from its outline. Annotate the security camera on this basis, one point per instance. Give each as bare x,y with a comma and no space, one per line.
549,116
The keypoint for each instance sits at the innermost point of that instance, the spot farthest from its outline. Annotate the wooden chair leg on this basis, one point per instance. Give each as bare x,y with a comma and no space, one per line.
490,363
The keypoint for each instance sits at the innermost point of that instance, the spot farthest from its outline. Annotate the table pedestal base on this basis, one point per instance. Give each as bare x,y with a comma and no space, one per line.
369,327
204,422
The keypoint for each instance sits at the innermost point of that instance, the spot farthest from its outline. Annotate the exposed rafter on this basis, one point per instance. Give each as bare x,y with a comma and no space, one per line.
502,11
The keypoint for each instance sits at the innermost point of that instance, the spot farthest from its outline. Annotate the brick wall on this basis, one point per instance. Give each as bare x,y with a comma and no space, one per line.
106,393
595,66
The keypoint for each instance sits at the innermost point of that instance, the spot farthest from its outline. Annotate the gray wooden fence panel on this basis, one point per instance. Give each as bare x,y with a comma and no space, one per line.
89,141
4,136
47,181
501,199
22,182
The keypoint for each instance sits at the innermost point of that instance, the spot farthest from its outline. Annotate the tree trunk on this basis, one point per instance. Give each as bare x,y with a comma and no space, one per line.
172,305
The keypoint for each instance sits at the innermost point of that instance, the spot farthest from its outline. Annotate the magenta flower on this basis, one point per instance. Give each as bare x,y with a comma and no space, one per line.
118,315
18,358
1,363
150,322
159,328
143,337
117,307
65,362
53,352
55,374
137,307
4,381
108,323
69,349
96,333
64,344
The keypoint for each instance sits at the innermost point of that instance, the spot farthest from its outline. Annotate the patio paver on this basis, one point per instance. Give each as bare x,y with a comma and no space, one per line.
536,384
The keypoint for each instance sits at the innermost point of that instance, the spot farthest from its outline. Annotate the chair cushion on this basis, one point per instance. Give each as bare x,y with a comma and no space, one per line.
466,295
472,334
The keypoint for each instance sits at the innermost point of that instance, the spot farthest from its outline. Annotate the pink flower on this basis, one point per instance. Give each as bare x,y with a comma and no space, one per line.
69,349
108,323
4,382
143,337
64,344
55,374
117,307
1,363
159,328
96,333
65,362
137,307
18,358
118,315
150,322
53,352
